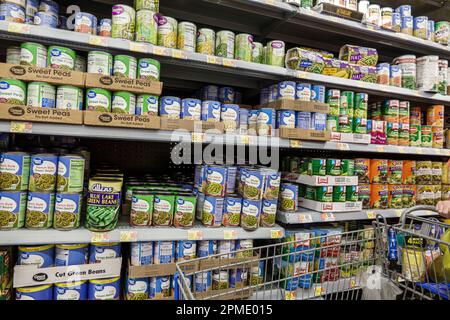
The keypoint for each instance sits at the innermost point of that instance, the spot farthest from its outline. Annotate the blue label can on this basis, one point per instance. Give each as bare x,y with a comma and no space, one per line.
396,21
40,256
266,122
319,121
286,90
40,209
211,111
431,30
67,210
273,92
407,25
304,120
237,97
104,28
286,119
191,109
264,95
318,93
238,278
44,292
251,214
206,248
405,10
170,107
31,7
71,254
229,115
14,171
104,251
43,172
12,205
137,288
203,281
141,253
303,92
211,93
164,252
216,178
71,291
392,239
227,95
243,119
232,211
212,212
160,287
12,13
44,19
49,6
421,27
104,289
186,250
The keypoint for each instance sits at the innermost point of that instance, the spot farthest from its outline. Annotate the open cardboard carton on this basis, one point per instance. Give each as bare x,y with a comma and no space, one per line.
191,125
31,275
52,115
137,86
296,105
304,134
49,75
109,119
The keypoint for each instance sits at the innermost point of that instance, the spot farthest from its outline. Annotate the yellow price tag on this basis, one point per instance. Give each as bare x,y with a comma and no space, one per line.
270,1
178,54
213,60
380,148
327,217
401,149
128,236
99,237
371,215
398,213
352,283
197,136
21,127
19,28
301,74
244,139
276,234
139,47
98,41
295,143
318,291
343,146
305,218
229,62
230,234
195,235
290,295
160,51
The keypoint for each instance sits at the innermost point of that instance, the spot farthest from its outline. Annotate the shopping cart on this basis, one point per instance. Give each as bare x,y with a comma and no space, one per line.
414,254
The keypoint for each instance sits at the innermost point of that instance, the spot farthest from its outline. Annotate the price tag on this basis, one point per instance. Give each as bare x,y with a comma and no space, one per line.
244,139
139,47
179,54
380,148
195,235
99,41
21,127
159,51
401,149
352,283
128,236
229,62
230,234
270,1
398,212
19,28
318,291
300,74
197,137
276,234
327,217
305,218
213,60
295,143
371,215
290,295
99,237
343,146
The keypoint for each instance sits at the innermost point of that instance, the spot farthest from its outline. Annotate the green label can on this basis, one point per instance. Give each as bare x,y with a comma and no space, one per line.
206,39
69,97
415,135
332,123
100,62
360,125
123,22
70,174
225,44
61,58
310,193
427,137
275,53
351,193
442,32
33,54
41,95
167,32
123,102
333,98
346,104
361,105
187,34
317,167
163,209
125,66
339,193
148,69
67,211
14,171
345,124
324,193
141,208
147,104
98,99
258,52
184,212
13,91
243,47
146,26
152,5
334,167
348,168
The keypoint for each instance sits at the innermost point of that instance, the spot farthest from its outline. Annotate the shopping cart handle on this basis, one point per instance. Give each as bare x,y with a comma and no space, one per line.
408,211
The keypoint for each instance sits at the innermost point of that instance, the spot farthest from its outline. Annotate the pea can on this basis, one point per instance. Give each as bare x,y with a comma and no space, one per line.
141,208
351,193
100,62
12,209
415,135
98,99
14,171
146,26
40,208
310,193
61,58
41,95
13,55
147,104
125,66
147,5
334,167
206,39
275,53
148,69
123,22
69,98
324,193
70,173
258,53
339,193
187,36
123,102
33,54
167,32
427,137
332,98
243,47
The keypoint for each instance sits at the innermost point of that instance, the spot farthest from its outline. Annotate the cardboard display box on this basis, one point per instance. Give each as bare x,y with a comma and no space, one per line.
191,125
304,134
320,180
31,275
305,106
49,75
52,115
109,119
137,86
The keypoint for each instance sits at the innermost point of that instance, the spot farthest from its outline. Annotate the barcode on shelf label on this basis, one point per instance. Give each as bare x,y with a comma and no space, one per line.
340,179
229,62
305,218
295,143
19,28
179,54
290,295
98,237
327,217
230,234
357,136
213,59
371,215
343,146
276,234
98,41
350,205
128,236
139,47
195,235
21,127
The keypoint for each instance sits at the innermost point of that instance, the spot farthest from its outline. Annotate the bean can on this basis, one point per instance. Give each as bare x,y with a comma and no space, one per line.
232,211
12,209
14,171
141,207
148,69
104,289
71,254
125,66
187,33
43,172
191,109
163,209
206,39
167,32
67,211
85,23
98,99
164,252
170,107
141,253
212,212
243,47
40,208
70,173
184,211
123,22
71,290
43,292
99,252
146,26
268,213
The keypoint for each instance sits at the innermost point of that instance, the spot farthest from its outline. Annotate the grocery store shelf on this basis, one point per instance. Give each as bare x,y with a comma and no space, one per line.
305,216
185,65
125,233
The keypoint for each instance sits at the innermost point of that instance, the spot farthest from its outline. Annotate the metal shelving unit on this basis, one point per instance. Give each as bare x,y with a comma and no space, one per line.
305,216
125,233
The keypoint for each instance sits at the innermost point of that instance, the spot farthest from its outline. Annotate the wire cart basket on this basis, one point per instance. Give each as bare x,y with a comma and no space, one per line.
327,264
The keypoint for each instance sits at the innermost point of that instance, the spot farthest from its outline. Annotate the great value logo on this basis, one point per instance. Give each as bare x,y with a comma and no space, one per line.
40,277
